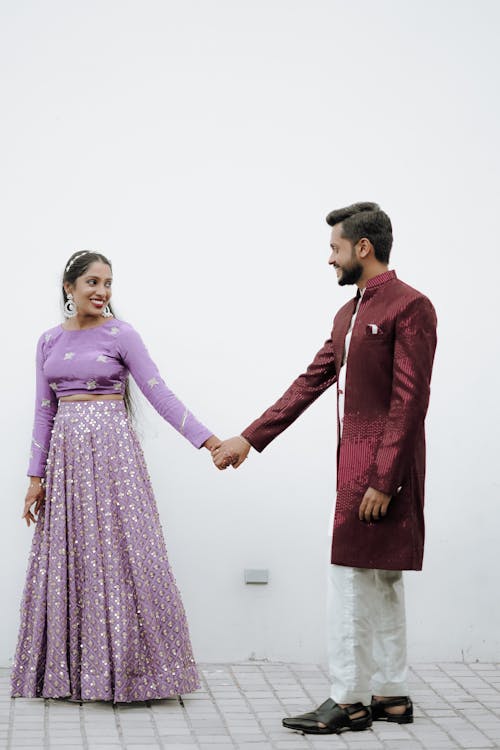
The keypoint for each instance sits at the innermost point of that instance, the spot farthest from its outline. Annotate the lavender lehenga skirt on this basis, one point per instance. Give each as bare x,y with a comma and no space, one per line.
101,615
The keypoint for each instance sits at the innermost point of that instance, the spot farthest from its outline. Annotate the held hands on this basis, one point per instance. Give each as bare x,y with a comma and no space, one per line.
34,496
231,452
374,505
226,453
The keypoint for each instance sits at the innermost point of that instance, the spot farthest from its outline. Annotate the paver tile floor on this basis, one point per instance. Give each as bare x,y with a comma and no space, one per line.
241,706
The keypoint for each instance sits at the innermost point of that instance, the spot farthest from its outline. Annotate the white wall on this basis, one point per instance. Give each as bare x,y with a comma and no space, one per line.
199,144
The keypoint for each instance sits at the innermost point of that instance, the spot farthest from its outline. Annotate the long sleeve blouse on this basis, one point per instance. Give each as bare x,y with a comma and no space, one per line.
98,360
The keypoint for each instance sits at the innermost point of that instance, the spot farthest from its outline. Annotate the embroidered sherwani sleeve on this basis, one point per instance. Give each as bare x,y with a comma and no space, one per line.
145,373
414,347
45,410
305,389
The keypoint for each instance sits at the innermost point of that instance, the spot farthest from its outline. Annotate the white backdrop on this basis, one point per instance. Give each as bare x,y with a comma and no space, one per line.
199,144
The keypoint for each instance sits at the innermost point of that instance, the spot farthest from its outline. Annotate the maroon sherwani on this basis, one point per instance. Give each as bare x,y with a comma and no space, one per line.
383,441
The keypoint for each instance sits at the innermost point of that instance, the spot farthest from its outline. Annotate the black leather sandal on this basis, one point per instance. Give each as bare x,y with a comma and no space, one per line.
335,718
379,712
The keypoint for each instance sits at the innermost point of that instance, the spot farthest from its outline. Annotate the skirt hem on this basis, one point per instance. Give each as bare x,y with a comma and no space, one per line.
116,699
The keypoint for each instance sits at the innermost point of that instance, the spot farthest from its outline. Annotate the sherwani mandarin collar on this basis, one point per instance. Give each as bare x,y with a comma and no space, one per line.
376,281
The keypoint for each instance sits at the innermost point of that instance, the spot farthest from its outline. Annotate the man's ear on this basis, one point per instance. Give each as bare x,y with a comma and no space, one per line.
365,247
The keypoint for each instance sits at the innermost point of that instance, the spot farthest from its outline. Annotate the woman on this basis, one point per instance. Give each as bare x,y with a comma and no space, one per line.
101,616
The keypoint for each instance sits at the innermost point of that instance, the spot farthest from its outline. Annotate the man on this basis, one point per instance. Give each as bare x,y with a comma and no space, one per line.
387,335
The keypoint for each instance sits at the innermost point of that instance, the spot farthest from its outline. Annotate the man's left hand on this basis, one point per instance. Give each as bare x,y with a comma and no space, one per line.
374,505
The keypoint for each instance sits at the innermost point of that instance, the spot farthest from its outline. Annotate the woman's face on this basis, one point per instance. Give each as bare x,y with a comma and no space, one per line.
92,290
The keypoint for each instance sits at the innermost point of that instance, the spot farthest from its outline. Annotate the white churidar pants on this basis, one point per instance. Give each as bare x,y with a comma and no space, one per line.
366,634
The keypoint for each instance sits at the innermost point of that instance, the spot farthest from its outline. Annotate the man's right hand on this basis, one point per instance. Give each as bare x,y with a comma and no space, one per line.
231,452
374,505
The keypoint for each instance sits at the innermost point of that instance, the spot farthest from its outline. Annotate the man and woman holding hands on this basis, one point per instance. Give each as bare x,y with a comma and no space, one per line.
379,354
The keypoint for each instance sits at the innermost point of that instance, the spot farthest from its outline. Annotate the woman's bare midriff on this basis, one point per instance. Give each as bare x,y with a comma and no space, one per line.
93,397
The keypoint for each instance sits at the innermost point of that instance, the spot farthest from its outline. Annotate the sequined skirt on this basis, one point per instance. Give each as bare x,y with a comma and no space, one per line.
101,615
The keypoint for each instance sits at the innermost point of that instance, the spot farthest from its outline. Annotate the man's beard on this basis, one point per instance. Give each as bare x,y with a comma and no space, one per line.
351,275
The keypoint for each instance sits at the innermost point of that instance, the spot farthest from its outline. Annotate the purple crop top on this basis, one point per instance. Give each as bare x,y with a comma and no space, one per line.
98,360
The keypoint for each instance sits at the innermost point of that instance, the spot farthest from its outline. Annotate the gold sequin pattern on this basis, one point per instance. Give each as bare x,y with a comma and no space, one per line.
101,615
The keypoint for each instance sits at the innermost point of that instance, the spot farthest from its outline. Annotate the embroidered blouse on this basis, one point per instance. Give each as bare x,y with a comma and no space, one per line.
98,360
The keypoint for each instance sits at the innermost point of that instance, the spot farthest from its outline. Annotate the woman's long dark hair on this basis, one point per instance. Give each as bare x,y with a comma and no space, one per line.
75,267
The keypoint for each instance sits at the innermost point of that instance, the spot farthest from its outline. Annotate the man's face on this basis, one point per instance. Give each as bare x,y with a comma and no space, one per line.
343,258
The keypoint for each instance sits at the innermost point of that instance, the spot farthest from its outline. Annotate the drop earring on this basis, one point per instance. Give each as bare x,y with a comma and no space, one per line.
106,313
69,307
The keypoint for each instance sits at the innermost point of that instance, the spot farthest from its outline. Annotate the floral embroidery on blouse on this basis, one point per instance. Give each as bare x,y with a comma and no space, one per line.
66,365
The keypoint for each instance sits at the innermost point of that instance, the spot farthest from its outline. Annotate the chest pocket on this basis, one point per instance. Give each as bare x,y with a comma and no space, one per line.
376,334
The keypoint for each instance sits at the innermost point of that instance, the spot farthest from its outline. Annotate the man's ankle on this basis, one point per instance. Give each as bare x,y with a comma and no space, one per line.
395,710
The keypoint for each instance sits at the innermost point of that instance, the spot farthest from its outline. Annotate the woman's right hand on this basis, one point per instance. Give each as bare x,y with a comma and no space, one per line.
34,496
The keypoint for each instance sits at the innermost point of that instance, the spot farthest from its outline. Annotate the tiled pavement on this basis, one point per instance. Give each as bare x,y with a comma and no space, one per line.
241,706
